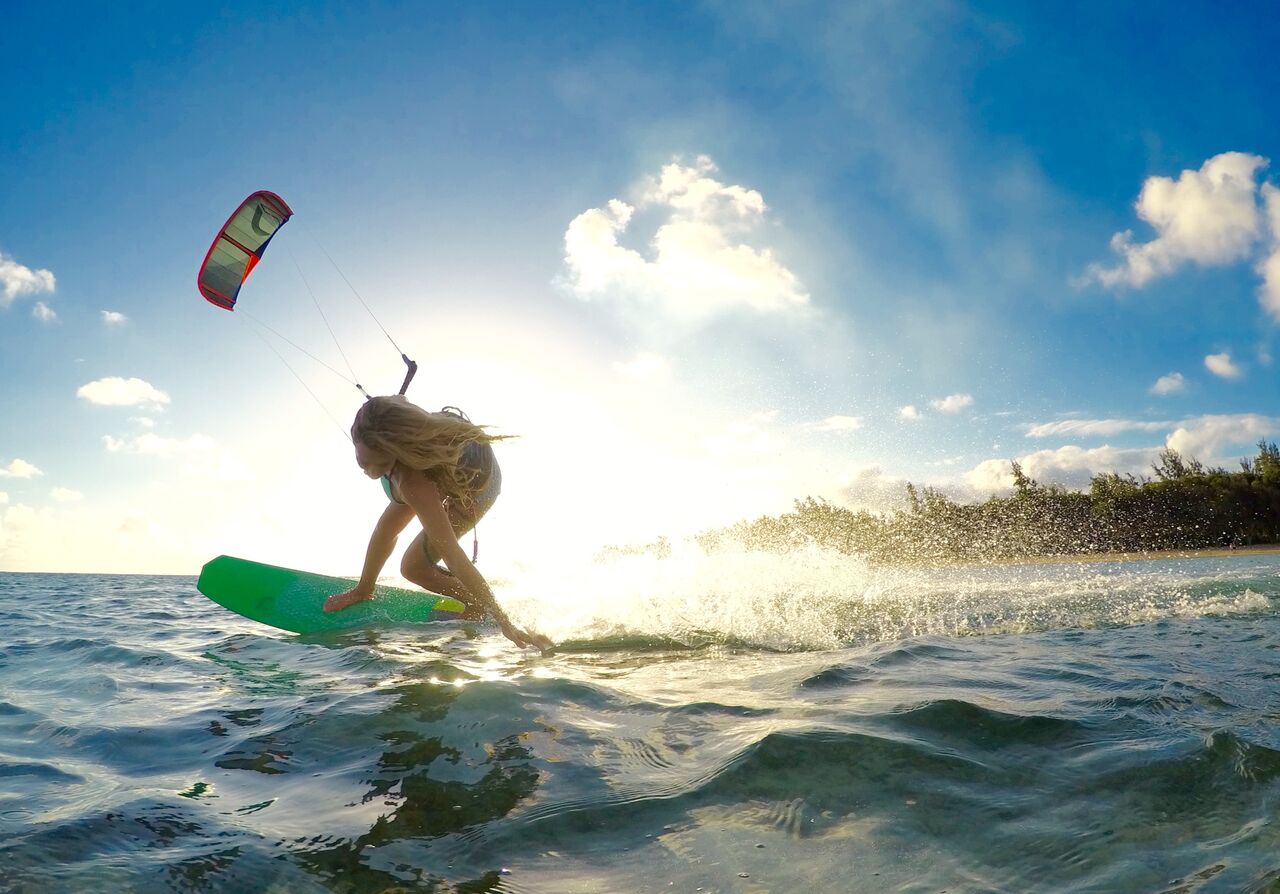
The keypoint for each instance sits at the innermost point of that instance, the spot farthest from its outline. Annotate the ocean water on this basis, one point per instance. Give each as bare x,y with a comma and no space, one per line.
724,723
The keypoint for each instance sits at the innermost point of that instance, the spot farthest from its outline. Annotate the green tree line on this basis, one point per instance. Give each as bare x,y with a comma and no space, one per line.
1183,505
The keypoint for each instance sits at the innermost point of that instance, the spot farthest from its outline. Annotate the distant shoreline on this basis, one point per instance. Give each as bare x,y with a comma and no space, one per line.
1213,552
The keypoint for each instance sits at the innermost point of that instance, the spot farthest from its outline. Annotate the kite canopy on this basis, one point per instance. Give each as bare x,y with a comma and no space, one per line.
239,246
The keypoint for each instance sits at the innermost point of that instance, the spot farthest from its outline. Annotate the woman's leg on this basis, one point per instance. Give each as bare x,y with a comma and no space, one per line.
420,562
416,567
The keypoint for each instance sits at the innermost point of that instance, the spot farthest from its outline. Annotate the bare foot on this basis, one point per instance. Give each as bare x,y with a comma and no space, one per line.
342,600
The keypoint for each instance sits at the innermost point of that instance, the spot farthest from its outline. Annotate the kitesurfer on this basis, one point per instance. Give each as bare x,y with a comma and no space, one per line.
440,468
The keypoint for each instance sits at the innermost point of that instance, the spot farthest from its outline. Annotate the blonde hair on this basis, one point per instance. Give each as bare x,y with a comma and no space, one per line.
417,439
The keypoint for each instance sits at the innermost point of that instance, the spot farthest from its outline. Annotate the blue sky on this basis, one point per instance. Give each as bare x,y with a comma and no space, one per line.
700,257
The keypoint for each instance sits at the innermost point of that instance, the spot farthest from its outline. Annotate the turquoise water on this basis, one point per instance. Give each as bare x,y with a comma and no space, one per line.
716,724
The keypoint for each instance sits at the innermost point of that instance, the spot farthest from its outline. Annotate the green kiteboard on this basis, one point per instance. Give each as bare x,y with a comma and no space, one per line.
293,600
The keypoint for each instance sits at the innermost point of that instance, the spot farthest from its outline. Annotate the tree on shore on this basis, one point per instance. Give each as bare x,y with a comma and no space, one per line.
1183,506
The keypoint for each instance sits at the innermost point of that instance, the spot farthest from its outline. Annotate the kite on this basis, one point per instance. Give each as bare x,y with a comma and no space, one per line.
239,245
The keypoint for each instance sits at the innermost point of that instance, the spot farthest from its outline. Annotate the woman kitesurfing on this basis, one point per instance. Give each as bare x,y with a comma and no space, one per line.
441,469
436,467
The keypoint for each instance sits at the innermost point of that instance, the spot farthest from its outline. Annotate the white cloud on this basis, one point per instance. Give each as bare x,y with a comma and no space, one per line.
868,487
909,412
952,403
1069,466
116,391
1222,366
1092,428
19,468
16,280
1172,383
1203,437
113,318
149,444
1209,217
1207,437
1269,267
143,421
701,262
4,498
645,366
44,313
66,495
839,423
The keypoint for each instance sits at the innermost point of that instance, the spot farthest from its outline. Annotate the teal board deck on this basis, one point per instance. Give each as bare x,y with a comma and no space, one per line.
293,600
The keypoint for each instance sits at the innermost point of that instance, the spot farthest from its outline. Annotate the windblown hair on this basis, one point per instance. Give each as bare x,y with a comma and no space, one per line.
428,442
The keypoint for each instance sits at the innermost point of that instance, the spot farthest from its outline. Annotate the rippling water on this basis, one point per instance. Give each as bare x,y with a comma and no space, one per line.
731,723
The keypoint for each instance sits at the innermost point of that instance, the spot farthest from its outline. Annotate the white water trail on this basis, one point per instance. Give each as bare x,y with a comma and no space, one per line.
809,599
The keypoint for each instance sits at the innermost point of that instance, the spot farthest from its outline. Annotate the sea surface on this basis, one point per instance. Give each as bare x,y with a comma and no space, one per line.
726,723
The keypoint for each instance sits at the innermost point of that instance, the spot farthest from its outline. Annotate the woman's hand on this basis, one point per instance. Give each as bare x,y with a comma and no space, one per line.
350,597
522,638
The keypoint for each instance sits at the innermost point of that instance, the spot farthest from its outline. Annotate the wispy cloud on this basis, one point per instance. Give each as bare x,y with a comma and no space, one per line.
908,412
150,444
66,495
44,313
1172,383
839,423
952,403
1221,365
121,392
19,468
1093,428
113,318
16,279
702,259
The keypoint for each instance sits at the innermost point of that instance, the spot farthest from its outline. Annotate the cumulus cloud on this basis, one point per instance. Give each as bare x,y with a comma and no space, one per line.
1092,428
1172,383
1269,266
19,468
15,280
1208,217
868,487
908,412
1222,366
1069,466
44,313
66,495
113,318
1207,437
120,392
952,403
644,366
701,258
839,423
